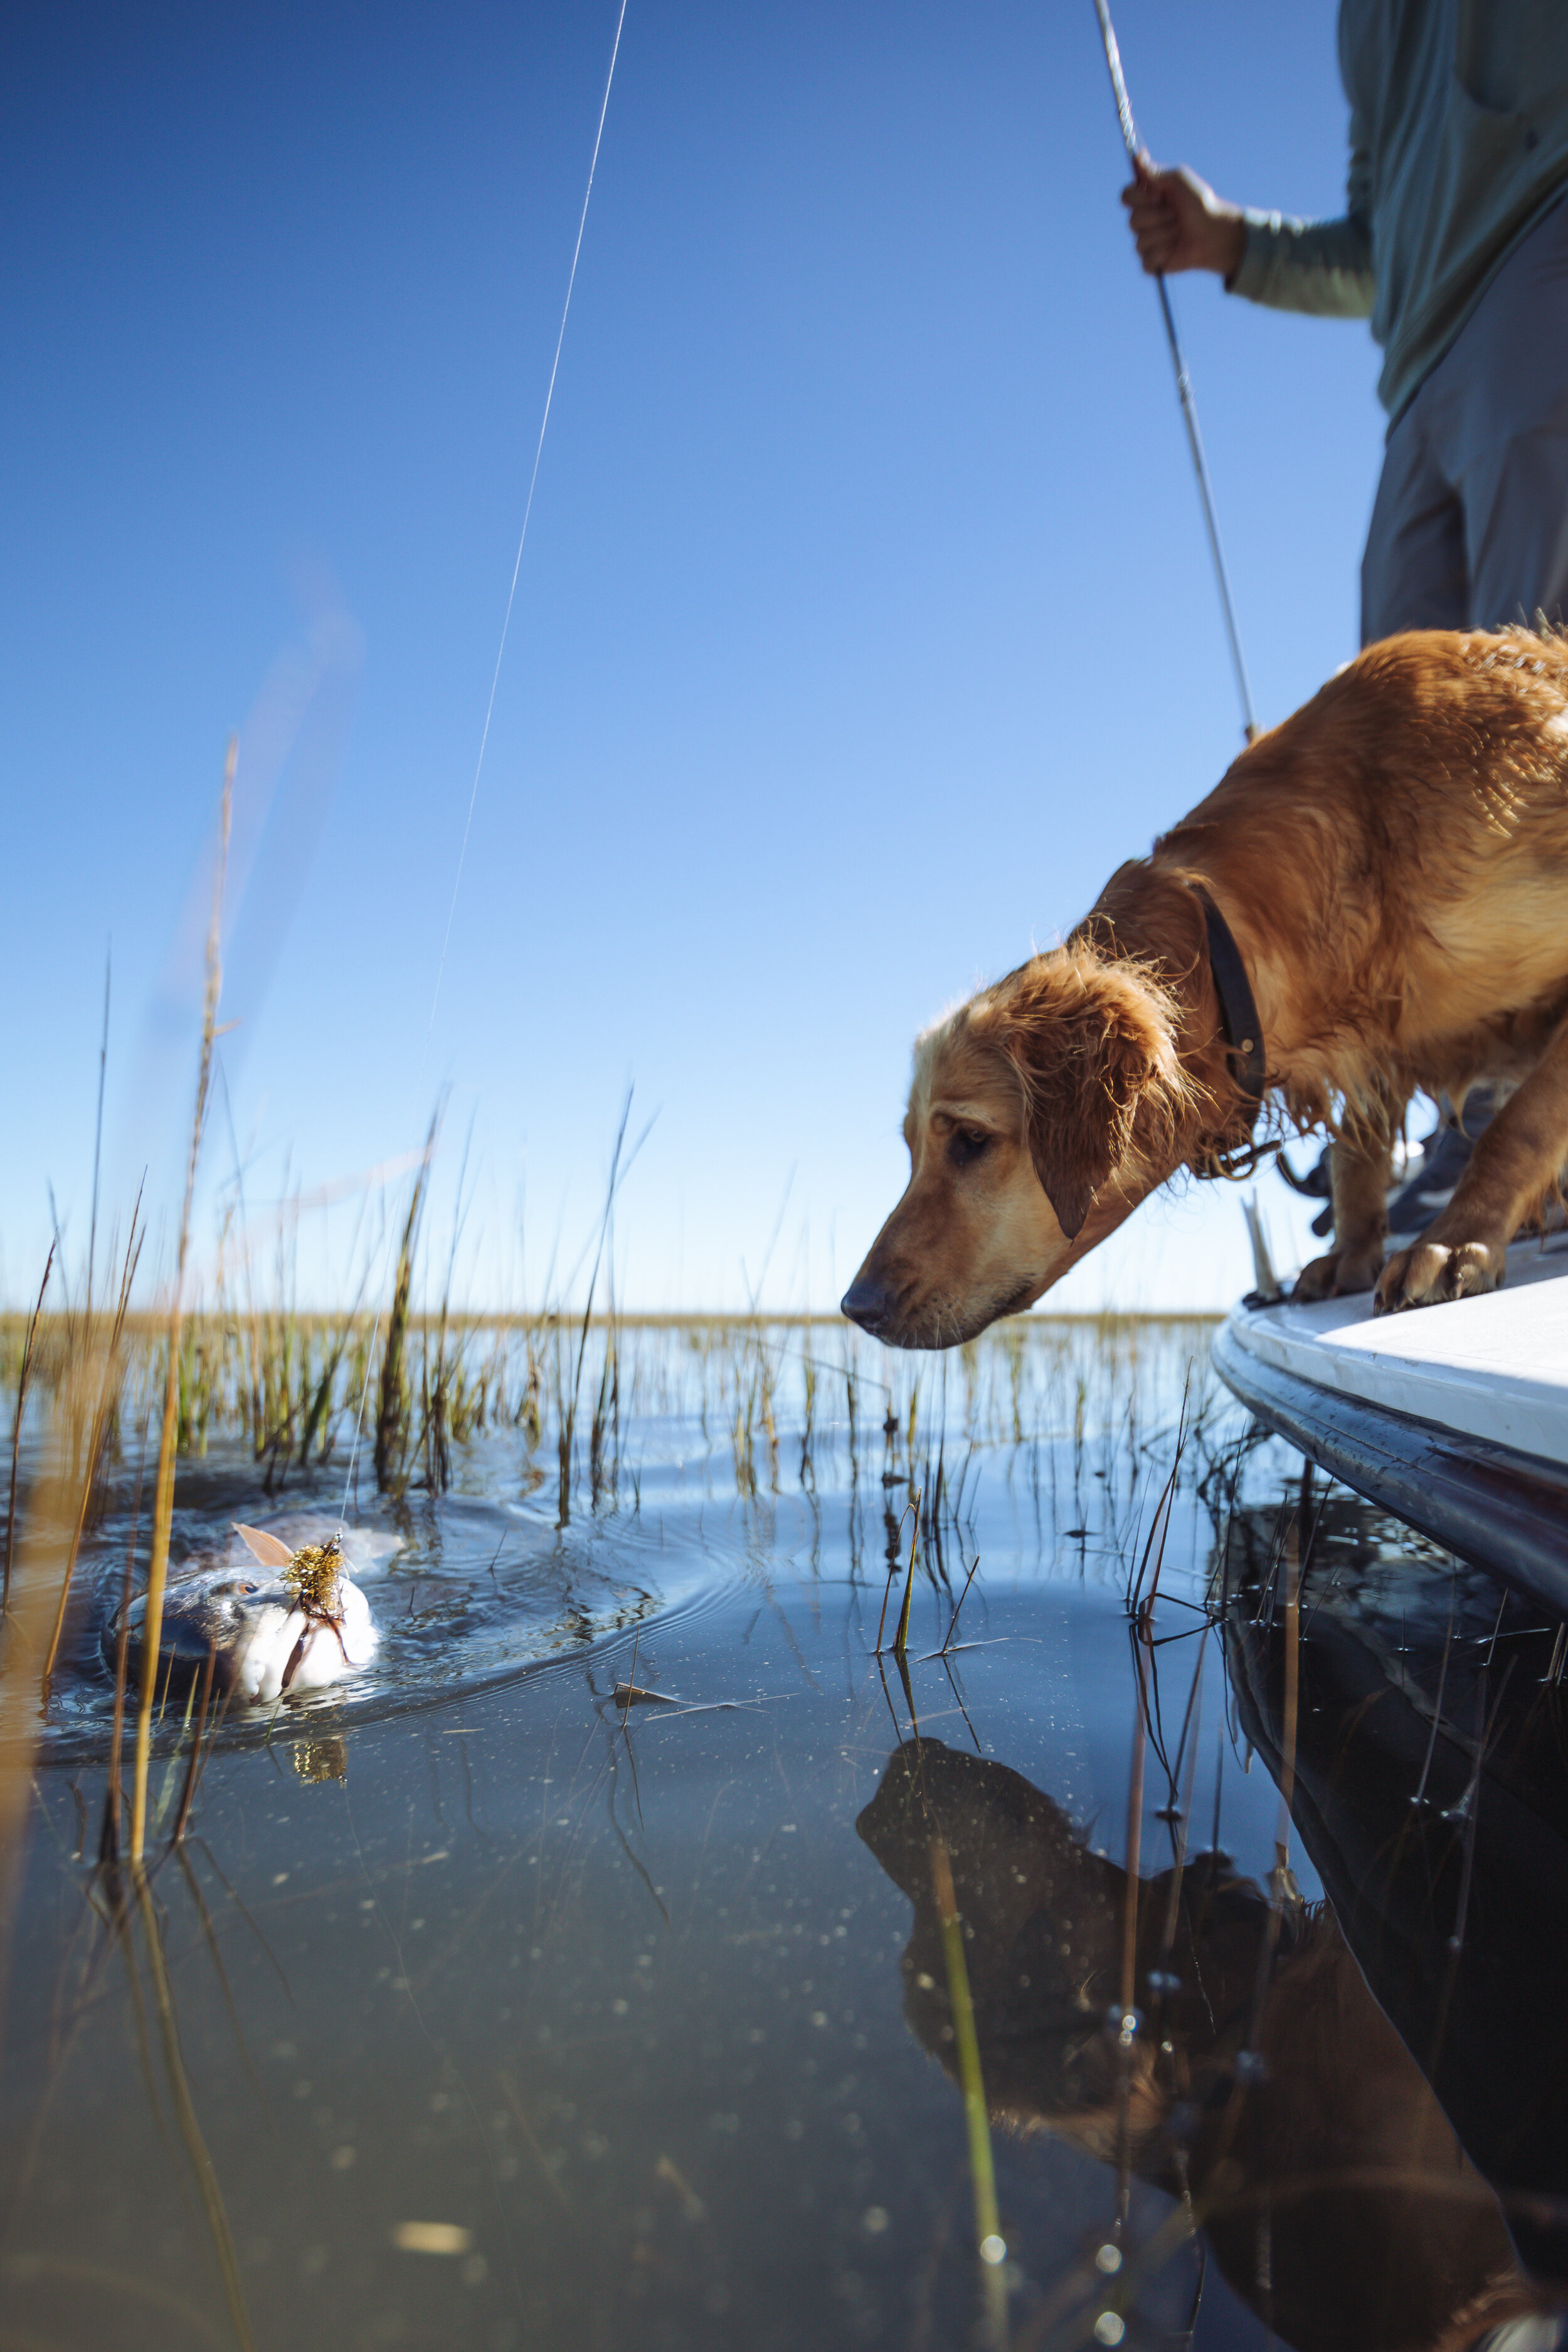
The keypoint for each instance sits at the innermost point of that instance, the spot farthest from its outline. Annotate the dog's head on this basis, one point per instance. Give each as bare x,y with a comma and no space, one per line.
1041,1113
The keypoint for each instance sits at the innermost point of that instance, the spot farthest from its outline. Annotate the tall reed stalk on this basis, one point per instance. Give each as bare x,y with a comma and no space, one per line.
163,1496
392,1415
16,1426
567,1404
110,1364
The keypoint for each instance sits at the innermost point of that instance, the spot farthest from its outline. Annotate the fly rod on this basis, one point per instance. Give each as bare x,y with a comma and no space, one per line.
1183,383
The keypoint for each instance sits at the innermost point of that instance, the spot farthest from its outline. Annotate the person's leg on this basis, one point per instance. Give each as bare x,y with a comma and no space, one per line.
1516,519
1501,417
1445,1156
1495,418
1414,573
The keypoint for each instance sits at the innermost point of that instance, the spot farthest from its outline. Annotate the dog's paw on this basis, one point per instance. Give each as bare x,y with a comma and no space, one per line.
1337,1275
1430,1273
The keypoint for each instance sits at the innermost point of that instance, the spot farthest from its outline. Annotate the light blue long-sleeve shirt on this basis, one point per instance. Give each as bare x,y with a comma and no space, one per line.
1458,143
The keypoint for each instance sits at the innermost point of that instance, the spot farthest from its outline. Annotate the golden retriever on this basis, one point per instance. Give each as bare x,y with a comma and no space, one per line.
1392,863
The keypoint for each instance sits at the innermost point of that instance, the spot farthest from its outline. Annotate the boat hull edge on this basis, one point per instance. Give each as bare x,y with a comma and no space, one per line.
1504,1511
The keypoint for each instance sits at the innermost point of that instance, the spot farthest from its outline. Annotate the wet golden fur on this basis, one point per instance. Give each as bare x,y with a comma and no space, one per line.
1392,862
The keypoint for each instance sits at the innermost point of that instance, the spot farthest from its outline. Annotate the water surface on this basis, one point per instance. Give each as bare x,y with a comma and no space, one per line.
481,2007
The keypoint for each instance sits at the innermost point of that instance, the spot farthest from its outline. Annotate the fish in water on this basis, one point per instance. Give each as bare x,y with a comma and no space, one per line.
305,1625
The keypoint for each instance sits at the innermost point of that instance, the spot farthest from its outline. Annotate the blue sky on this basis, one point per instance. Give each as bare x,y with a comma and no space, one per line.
864,624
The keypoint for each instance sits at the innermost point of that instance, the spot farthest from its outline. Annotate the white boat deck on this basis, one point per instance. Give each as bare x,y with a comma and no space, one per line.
1493,1368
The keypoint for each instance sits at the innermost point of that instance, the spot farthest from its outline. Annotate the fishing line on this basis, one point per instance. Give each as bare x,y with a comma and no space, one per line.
495,681
1183,383
528,509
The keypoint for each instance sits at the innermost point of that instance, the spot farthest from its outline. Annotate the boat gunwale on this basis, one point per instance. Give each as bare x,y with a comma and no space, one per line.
1502,1509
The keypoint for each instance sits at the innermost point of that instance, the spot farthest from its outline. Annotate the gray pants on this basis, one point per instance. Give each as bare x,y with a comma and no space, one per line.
1469,527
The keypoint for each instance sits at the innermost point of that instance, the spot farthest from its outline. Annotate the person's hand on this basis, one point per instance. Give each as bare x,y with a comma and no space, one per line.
1179,223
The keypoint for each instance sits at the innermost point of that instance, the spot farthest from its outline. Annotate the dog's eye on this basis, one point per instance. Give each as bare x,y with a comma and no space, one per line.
968,1143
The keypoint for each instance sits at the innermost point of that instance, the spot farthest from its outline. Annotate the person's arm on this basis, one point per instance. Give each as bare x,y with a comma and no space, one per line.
1322,266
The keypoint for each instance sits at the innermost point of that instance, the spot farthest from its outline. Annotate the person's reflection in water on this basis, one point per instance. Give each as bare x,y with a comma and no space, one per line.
1333,2193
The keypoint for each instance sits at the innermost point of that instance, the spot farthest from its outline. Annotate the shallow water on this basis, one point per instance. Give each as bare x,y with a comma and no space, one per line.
482,2009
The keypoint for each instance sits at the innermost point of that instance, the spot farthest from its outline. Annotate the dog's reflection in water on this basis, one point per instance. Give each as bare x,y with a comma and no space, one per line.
1332,2192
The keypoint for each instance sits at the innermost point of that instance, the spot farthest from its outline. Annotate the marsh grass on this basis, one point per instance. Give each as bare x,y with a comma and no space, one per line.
608,1406
284,1394
392,1399
287,1384
164,1498
21,1379
105,1373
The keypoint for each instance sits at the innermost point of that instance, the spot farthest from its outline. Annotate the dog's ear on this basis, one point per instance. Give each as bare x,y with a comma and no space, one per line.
1087,1045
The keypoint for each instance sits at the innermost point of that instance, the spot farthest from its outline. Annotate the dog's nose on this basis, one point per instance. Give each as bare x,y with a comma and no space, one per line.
867,1301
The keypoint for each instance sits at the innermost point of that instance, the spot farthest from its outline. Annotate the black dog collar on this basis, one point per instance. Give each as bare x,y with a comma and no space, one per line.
1238,1021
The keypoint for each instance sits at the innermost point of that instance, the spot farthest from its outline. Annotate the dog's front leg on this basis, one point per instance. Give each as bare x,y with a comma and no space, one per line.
1515,1166
1359,1170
